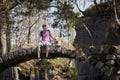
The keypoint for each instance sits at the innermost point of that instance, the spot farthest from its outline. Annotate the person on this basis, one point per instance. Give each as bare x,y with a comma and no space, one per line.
45,36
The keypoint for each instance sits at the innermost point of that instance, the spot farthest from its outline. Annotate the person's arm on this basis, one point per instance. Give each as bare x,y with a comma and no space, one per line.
51,35
55,40
40,39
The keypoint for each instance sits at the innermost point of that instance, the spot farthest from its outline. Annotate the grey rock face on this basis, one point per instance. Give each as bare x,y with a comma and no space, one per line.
100,31
100,28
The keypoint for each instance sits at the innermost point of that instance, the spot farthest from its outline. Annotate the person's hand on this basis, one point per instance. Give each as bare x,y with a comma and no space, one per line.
40,40
55,40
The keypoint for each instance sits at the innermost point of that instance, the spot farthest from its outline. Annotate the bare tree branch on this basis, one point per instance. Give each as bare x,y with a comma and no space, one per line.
78,6
115,11
89,32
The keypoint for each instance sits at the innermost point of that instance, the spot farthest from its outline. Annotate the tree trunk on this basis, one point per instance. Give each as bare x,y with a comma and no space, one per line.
8,38
3,40
7,74
29,34
0,46
10,73
29,30
46,74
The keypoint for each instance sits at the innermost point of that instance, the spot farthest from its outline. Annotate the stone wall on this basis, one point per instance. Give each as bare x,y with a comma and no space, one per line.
103,33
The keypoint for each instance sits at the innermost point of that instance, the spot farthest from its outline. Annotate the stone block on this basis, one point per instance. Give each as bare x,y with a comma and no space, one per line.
83,77
110,62
118,72
110,57
15,53
57,48
20,52
117,77
109,72
1,60
118,56
105,69
4,57
93,62
24,52
11,55
117,49
43,49
99,65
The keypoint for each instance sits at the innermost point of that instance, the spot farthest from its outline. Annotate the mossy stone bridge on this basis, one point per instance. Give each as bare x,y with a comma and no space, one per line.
22,55
101,57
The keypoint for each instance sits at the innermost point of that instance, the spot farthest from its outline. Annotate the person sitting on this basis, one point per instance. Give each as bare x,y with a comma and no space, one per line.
45,36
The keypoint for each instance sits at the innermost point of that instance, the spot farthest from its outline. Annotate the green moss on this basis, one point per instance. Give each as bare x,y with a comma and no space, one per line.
103,9
73,73
59,61
62,63
90,8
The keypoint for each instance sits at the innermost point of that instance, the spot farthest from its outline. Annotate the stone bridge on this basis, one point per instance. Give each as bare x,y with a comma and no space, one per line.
22,55
106,59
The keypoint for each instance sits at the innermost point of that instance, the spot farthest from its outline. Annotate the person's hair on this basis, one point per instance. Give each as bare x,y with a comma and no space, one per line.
44,25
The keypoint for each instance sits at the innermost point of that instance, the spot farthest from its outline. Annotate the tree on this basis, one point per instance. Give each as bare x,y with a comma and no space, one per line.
5,7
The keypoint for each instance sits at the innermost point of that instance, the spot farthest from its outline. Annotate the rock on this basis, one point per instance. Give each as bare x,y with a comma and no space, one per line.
83,77
110,62
99,28
1,60
58,48
117,77
24,52
110,57
99,65
117,49
105,51
105,69
118,56
108,73
118,71
4,57
10,56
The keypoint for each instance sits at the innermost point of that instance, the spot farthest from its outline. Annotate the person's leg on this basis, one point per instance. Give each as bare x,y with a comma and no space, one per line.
47,50
39,51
